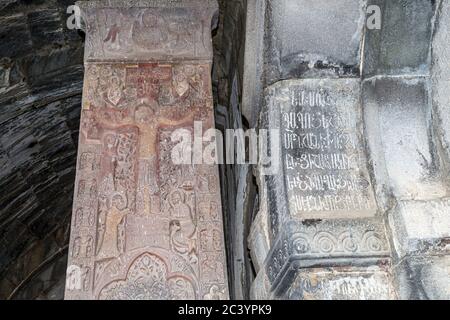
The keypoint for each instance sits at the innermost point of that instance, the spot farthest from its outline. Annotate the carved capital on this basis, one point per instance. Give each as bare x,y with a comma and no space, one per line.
148,30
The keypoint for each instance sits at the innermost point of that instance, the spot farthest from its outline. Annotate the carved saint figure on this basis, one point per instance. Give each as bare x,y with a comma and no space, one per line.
149,31
182,227
212,269
76,248
89,246
101,223
181,84
109,160
85,276
112,240
73,281
79,217
114,92
180,35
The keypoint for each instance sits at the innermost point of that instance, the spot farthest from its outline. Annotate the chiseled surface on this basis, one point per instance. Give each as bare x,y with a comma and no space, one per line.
142,227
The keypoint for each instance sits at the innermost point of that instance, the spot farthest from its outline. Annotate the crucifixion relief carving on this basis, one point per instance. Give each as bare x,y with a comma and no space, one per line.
142,226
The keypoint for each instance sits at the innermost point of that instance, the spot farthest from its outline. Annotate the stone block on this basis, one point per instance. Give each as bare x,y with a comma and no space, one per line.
372,283
319,38
424,278
421,226
441,75
258,241
402,45
326,242
401,140
322,151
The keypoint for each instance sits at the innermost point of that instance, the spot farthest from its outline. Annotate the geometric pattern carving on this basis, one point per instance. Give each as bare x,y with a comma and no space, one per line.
142,226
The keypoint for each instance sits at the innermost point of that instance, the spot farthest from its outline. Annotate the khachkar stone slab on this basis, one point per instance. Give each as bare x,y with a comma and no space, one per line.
148,29
325,227
323,155
144,227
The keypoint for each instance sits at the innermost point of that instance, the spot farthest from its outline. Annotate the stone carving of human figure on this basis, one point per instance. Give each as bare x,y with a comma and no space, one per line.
79,217
148,32
216,240
113,40
114,216
215,293
180,35
196,82
181,289
182,227
101,224
113,32
85,276
76,248
73,281
109,163
89,246
181,84
91,218
212,270
114,92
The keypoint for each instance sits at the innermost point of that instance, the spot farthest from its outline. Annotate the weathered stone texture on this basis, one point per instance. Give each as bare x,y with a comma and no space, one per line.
323,153
371,283
441,75
422,226
321,206
402,45
306,38
401,137
424,278
144,227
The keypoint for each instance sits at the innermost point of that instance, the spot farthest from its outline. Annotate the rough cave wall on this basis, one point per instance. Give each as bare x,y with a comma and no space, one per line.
41,76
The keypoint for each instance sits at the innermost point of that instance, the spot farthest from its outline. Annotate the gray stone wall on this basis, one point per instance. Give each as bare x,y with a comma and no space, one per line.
400,77
238,189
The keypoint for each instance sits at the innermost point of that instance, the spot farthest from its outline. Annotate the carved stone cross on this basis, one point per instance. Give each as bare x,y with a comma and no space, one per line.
143,227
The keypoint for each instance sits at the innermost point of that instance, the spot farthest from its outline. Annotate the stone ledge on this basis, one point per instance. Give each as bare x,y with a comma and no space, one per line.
327,243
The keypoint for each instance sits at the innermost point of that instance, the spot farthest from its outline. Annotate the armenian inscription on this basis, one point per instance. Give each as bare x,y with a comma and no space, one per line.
142,226
325,165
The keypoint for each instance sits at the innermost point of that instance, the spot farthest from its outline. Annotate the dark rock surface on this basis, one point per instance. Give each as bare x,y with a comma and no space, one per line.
41,75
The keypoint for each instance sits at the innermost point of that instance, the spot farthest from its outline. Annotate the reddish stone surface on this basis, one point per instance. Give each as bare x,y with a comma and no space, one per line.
143,227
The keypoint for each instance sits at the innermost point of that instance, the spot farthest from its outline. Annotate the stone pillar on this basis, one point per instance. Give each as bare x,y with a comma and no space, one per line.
405,97
144,227
320,226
